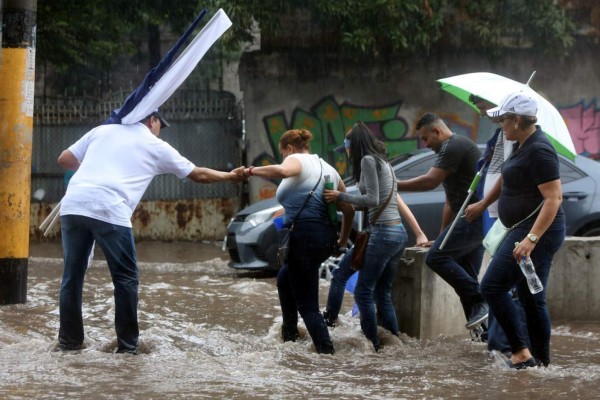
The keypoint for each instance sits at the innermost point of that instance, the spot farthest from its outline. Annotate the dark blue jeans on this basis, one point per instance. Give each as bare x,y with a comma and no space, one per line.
116,242
373,293
460,261
337,285
504,273
496,337
298,281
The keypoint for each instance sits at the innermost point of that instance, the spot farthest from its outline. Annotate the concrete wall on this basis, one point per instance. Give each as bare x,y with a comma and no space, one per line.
188,220
426,306
574,282
323,92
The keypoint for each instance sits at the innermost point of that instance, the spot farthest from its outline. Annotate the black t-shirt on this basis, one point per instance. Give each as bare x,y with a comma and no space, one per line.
527,167
458,156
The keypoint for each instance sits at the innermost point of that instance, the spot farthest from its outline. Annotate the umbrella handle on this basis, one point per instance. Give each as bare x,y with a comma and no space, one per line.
52,223
464,205
530,78
44,225
459,215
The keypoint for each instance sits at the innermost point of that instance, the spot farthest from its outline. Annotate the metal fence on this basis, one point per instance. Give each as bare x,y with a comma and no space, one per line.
204,130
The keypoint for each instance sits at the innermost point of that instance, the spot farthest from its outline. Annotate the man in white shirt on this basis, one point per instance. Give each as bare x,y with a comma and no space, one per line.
115,164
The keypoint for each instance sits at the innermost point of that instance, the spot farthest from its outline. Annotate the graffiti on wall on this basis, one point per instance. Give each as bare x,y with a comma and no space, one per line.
328,121
583,121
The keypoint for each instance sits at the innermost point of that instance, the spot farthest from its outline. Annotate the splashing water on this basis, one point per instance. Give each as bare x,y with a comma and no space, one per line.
207,331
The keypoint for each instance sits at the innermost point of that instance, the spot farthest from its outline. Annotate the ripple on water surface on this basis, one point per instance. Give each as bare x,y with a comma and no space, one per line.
209,331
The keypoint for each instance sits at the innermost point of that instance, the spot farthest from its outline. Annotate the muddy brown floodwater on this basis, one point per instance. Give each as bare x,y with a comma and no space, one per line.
208,331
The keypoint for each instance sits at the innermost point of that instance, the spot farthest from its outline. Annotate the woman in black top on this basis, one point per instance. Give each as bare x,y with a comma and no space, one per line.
529,176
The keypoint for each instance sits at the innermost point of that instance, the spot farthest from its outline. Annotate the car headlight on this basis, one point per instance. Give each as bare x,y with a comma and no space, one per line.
263,216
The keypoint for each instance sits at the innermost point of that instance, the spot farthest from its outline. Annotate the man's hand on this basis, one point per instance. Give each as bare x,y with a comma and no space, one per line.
474,210
239,174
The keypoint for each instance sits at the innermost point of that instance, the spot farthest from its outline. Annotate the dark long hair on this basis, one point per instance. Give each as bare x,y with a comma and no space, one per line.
364,143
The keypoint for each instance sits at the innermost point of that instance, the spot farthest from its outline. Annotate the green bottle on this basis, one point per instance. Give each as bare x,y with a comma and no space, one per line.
331,207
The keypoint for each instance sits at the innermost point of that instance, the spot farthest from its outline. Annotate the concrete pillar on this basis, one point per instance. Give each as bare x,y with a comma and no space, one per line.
426,306
17,80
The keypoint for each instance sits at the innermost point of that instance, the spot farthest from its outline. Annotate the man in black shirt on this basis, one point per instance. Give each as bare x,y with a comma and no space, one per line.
458,263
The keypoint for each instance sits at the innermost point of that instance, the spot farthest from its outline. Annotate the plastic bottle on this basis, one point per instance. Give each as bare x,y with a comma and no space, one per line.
331,207
533,281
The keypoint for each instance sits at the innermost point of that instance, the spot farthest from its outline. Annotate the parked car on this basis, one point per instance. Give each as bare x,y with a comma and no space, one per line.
251,239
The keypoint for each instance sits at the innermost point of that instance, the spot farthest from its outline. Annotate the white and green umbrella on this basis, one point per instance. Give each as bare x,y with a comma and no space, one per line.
494,88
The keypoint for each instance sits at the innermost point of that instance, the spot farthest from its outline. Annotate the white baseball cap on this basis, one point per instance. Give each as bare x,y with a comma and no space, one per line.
519,103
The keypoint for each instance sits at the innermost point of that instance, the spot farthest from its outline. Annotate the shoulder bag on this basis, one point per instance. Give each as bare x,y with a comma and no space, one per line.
498,232
285,233
362,238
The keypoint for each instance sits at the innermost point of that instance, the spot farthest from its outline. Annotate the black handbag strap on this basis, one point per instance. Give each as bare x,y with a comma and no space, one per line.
388,198
310,194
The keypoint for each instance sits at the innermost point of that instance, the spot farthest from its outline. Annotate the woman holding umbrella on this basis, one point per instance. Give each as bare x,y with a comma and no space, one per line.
530,177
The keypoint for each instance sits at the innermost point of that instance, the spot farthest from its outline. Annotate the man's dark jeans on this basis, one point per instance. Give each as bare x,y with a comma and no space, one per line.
78,236
298,281
460,260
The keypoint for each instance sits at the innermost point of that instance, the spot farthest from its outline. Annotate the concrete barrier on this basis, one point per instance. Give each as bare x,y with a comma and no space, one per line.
426,306
574,282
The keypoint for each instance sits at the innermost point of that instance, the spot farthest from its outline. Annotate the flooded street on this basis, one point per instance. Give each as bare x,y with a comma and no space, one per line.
208,331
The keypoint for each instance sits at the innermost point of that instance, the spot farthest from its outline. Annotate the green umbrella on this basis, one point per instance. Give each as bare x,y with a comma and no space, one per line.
494,88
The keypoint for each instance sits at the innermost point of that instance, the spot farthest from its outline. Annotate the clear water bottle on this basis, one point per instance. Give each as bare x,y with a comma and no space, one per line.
533,281
331,207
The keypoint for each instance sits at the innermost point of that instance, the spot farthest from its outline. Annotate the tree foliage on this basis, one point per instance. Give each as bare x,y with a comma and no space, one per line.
370,28
498,25
88,39
383,28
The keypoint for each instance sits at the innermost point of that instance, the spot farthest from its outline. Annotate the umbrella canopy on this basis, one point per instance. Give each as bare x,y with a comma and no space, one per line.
494,88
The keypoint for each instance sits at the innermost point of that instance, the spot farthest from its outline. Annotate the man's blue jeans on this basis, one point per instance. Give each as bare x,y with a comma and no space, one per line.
116,242
298,281
504,273
373,292
460,261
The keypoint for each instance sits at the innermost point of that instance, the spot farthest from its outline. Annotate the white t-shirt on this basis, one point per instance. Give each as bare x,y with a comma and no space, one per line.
118,163
293,191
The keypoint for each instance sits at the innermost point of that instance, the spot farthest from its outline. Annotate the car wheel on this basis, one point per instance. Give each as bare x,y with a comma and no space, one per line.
592,229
